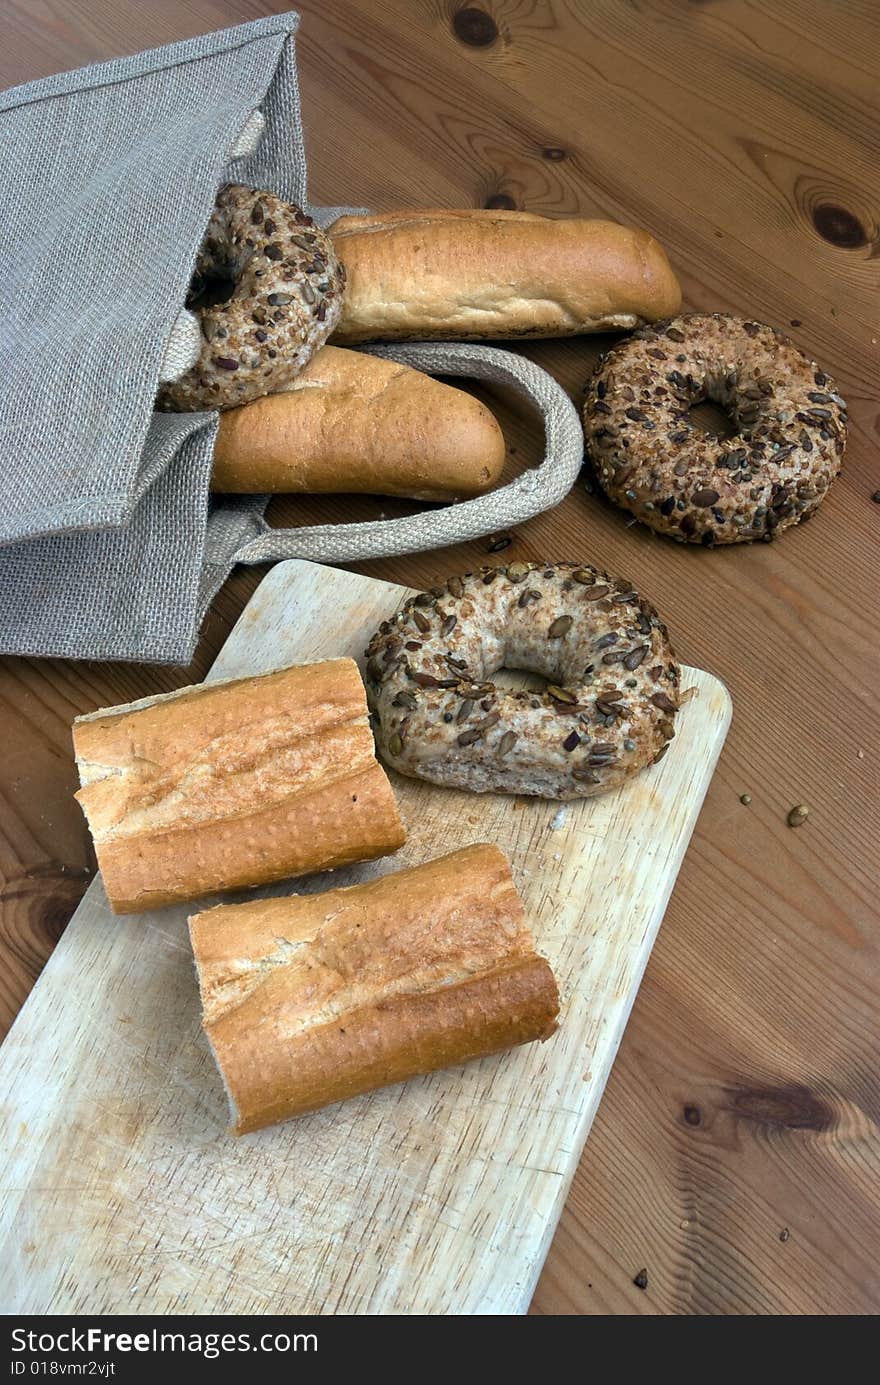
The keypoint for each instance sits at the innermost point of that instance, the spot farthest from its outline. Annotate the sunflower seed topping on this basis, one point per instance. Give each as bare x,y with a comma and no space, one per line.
517,572
584,775
528,596
664,702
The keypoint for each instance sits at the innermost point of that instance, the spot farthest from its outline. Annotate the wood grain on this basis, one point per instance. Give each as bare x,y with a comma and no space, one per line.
434,1196
744,134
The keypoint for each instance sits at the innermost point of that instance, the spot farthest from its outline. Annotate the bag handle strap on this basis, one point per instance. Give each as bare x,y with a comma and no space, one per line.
528,495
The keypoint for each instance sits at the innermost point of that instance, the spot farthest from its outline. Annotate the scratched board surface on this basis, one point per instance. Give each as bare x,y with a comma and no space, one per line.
122,1190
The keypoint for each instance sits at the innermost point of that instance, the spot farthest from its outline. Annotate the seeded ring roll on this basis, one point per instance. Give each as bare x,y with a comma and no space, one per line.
235,783
651,460
315,998
607,711
267,292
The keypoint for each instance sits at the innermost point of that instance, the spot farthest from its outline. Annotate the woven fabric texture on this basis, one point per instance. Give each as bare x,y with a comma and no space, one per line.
110,545
528,495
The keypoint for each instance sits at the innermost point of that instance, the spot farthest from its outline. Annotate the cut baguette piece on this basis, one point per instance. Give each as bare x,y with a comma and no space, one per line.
314,998
357,423
234,783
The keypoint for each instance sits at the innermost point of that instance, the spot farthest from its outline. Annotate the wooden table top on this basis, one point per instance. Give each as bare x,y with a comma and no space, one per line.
735,1158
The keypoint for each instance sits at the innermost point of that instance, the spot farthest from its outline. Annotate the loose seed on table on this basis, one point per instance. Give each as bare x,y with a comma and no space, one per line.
798,815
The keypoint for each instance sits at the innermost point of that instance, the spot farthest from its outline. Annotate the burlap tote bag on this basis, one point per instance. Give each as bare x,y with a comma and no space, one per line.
110,545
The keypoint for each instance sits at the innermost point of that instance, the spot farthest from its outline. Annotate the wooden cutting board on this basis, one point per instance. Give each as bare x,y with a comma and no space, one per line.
121,1190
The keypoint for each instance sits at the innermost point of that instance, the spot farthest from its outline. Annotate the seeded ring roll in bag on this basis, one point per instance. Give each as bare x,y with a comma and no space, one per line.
232,784
315,998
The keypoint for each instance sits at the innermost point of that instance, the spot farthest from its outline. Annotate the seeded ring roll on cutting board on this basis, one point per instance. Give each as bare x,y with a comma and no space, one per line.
350,422
476,274
232,784
315,998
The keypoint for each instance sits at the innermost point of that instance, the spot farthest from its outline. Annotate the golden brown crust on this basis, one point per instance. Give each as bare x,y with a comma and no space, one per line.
232,784
355,423
480,274
376,221
315,998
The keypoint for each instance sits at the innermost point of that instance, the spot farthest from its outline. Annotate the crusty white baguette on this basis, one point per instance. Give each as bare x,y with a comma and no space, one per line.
352,422
233,783
476,274
311,999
